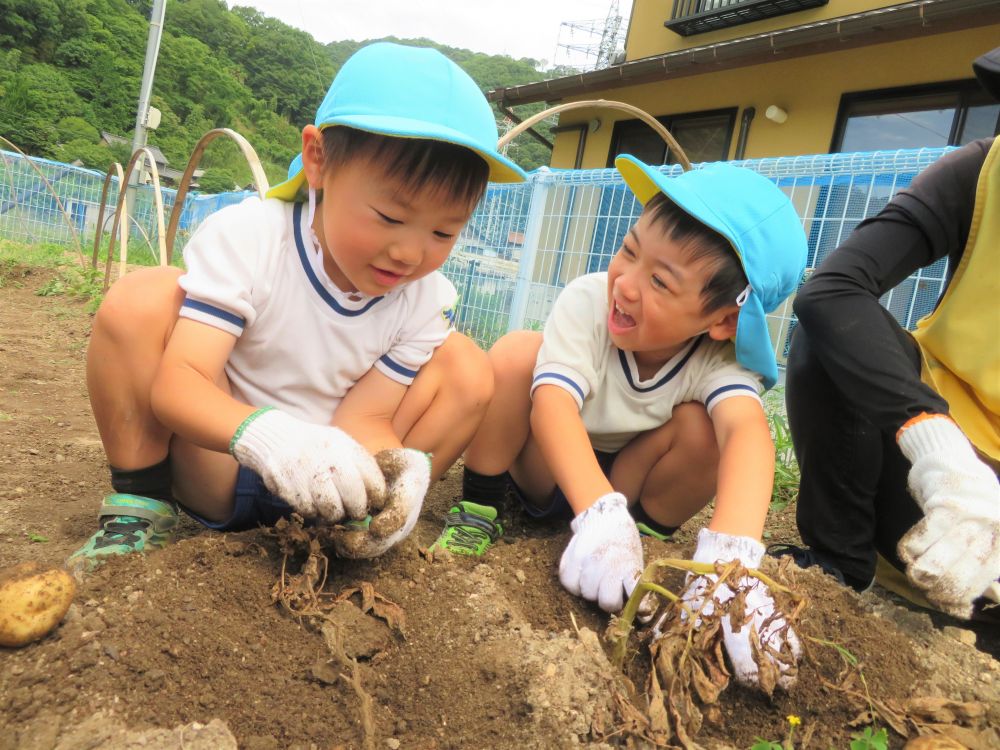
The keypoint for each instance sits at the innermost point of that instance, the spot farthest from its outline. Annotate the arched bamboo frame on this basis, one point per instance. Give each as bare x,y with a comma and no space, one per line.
259,178
602,103
158,202
99,233
65,213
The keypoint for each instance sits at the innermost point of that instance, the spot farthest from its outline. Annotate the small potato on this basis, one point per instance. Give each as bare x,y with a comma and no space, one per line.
33,601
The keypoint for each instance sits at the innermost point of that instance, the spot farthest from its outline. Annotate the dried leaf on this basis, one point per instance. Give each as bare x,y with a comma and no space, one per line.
707,690
380,606
659,722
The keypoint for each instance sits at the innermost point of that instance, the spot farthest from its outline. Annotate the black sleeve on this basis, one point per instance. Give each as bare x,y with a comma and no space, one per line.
854,337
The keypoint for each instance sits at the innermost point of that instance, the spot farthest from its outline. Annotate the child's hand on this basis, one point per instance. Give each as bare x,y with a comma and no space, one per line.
318,470
773,633
407,475
603,560
953,552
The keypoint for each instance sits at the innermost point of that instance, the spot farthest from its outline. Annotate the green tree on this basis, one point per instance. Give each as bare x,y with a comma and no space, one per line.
217,180
75,128
35,99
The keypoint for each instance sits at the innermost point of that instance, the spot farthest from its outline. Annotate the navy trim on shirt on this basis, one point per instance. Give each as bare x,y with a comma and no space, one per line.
311,275
214,311
725,388
666,378
396,367
559,376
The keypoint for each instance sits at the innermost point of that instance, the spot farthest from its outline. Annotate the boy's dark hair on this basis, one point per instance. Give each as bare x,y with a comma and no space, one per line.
700,242
418,164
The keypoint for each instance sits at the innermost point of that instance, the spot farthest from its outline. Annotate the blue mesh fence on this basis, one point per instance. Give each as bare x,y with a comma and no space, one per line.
524,242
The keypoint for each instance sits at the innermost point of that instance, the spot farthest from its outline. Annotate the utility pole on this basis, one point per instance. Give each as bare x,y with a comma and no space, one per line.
148,71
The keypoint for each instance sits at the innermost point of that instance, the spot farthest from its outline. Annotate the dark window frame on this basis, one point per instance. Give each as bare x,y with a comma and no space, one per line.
967,91
667,122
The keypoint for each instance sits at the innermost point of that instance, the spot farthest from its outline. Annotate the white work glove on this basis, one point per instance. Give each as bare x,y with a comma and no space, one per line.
319,471
603,560
773,632
953,552
407,475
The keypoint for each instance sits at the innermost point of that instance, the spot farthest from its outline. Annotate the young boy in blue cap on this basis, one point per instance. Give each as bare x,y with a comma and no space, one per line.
306,336
634,407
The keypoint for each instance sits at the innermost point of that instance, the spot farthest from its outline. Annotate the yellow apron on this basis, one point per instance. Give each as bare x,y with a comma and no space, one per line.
960,341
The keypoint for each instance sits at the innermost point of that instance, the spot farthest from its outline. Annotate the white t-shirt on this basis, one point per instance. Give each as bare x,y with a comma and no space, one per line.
577,354
302,343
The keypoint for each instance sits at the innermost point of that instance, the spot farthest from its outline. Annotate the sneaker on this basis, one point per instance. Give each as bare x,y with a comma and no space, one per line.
129,523
807,558
645,530
469,529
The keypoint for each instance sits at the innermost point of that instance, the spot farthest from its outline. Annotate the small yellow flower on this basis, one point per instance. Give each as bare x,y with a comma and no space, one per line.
793,720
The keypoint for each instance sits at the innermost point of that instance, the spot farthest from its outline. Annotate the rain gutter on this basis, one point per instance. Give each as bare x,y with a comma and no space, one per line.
892,23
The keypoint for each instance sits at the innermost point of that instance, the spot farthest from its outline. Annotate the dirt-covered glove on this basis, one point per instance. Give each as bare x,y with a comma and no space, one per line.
407,476
319,471
953,552
603,560
775,639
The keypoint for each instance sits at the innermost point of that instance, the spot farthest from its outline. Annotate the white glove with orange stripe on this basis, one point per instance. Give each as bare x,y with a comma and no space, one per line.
953,553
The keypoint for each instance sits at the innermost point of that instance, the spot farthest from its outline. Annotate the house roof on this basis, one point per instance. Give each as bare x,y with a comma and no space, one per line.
112,139
903,20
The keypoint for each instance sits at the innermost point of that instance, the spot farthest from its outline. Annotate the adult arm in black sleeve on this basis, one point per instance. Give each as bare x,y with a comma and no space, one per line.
852,335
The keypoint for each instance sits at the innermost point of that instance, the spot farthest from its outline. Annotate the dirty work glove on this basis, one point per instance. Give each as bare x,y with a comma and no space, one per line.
953,552
407,476
603,560
319,471
773,631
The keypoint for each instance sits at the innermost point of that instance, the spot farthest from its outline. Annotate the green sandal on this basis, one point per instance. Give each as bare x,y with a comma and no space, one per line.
129,523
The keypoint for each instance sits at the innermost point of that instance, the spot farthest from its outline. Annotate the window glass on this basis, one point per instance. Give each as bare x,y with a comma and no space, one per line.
981,121
916,117
640,140
703,136
899,122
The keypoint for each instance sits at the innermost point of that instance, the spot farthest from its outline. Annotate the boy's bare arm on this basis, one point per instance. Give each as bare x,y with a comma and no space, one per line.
367,411
562,437
186,396
746,467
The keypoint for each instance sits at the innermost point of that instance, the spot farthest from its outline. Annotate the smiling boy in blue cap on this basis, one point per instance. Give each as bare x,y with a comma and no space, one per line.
311,329
636,406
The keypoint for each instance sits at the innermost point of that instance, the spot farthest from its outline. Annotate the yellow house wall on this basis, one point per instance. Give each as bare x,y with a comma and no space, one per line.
647,35
809,88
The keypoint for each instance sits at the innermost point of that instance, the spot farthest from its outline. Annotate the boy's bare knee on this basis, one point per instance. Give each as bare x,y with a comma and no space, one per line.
467,371
514,354
140,302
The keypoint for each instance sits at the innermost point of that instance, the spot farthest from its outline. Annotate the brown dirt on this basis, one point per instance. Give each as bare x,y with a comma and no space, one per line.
186,649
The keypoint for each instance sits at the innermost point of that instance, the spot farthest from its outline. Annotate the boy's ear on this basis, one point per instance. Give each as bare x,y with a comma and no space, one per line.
724,327
312,156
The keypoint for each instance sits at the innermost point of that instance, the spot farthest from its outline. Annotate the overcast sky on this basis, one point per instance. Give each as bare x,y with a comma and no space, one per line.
523,28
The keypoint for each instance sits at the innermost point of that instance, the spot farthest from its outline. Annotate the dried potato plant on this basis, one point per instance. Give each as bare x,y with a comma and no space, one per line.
689,671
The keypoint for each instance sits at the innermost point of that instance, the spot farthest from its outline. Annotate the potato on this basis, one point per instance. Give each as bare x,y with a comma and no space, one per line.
33,601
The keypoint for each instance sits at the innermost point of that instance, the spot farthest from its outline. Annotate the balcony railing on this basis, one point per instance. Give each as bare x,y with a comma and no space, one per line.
698,16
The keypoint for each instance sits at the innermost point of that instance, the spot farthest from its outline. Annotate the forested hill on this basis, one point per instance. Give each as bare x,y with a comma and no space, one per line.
70,69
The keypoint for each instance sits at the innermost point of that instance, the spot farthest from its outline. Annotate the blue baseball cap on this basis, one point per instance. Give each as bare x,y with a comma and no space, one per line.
408,92
759,221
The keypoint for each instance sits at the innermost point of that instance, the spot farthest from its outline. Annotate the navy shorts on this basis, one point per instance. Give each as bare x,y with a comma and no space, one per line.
254,505
559,507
